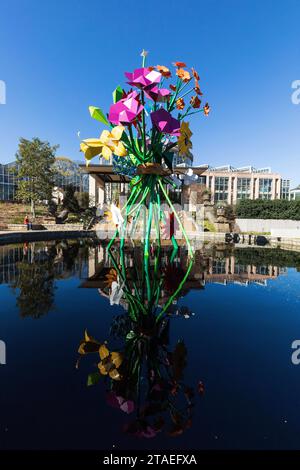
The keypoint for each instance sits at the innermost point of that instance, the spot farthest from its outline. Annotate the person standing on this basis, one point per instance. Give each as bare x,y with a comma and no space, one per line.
27,222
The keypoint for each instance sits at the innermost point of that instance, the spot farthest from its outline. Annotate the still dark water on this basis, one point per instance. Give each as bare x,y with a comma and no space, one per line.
241,314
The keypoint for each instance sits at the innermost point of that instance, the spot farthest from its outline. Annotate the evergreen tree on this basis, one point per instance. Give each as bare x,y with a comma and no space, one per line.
35,171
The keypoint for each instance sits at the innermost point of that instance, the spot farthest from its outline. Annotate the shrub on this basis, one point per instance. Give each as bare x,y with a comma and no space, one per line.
266,209
209,226
83,199
70,202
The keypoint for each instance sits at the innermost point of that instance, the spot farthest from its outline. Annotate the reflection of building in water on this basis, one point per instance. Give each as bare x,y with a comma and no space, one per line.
227,270
12,257
206,269
93,264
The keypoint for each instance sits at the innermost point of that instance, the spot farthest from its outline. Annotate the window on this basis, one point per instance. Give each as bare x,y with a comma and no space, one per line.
219,267
240,269
202,179
263,270
8,183
221,188
285,189
265,188
243,188
70,174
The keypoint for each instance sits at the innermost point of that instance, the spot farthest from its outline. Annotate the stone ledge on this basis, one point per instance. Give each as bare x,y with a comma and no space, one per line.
7,237
51,227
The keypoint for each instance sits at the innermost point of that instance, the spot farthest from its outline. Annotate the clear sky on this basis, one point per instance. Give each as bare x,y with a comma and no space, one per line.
57,57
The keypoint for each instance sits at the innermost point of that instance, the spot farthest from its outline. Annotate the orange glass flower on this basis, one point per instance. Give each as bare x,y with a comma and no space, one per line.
195,74
197,88
195,102
180,104
164,71
184,75
206,109
172,87
179,64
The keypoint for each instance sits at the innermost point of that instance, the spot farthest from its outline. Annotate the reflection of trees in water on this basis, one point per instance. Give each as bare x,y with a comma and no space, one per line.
267,256
36,287
38,270
254,256
69,254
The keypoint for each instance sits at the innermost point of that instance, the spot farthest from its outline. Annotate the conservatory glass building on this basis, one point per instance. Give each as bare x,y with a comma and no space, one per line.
8,182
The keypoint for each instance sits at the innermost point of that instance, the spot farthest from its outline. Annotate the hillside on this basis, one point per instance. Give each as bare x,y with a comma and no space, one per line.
14,213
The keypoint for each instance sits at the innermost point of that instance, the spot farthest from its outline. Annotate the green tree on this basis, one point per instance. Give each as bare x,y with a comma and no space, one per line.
35,171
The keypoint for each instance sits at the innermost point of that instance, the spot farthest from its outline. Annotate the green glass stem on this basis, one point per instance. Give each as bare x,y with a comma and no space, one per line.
179,288
136,304
177,218
134,192
147,242
174,252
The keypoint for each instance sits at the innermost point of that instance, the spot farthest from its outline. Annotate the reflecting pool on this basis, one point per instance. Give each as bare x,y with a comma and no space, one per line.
103,350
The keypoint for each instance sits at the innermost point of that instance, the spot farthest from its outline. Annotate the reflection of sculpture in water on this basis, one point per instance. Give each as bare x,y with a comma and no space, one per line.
143,374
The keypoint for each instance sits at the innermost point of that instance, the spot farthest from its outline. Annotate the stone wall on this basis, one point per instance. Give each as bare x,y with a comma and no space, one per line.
267,225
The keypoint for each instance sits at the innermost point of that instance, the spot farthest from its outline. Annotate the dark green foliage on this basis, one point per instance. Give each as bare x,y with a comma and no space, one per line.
229,212
83,199
266,209
70,202
35,171
265,257
52,207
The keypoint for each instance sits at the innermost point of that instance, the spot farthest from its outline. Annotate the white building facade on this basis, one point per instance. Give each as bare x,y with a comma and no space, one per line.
231,184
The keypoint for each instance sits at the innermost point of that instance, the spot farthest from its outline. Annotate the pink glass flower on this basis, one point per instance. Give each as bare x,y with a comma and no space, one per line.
147,80
126,110
165,123
143,77
119,402
157,94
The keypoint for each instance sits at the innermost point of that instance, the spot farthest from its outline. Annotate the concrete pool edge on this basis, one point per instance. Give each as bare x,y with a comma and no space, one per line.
7,238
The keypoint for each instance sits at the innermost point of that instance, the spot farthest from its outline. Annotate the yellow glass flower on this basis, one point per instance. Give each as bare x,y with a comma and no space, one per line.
111,277
110,362
88,344
184,140
108,144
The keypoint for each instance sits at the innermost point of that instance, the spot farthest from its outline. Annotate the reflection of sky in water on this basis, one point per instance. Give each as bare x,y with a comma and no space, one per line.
287,285
238,342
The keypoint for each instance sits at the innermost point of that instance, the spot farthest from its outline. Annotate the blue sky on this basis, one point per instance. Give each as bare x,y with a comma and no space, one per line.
59,57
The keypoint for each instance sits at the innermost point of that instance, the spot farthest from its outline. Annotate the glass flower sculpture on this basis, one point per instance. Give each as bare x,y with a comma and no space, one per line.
146,126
